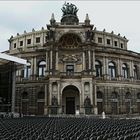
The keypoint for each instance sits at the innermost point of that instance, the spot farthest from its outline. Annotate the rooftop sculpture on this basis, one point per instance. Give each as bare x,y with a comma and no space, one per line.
69,9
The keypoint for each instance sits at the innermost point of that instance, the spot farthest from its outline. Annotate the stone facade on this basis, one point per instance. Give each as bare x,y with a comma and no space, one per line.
72,67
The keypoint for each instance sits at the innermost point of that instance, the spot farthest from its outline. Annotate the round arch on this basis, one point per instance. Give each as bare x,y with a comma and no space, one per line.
69,40
70,99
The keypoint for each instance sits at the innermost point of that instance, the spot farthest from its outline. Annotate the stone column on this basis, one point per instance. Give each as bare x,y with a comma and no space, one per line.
47,63
13,89
45,105
32,68
35,66
131,71
95,98
51,59
93,60
106,65
83,60
119,69
91,92
56,65
32,40
50,93
59,99
42,39
89,58
82,99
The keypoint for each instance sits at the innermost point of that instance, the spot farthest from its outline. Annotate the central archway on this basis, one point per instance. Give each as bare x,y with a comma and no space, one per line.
70,100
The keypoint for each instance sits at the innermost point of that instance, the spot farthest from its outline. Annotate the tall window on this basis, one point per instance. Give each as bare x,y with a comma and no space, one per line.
70,69
24,95
108,41
37,39
128,95
41,95
99,95
124,71
135,69
138,95
114,95
27,70
42,68
98,68
112,70
99,40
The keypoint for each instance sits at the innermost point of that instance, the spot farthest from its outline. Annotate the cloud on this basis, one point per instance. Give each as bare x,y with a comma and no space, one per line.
119,16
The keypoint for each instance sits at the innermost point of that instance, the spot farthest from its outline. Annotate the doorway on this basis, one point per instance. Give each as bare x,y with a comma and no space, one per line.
70,105
70,100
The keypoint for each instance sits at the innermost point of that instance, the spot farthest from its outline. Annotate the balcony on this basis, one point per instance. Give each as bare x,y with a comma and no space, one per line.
70,74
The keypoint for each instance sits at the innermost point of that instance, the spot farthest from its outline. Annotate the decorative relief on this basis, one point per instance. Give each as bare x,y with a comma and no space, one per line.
70,58
69,41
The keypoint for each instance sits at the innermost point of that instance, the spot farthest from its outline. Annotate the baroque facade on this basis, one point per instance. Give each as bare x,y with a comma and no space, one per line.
72,67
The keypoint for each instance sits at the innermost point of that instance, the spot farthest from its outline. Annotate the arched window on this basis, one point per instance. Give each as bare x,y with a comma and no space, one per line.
128,95
41,68
135,70
114,95
41,95
24,95
138,95
124,71
98,68
112,70
27,70
99,95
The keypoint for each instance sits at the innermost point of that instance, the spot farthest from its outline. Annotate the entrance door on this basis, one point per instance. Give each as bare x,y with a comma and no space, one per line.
70,105
100,107
40,108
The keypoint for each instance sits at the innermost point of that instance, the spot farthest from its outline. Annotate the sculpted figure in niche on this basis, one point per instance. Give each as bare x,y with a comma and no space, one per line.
54,101
87,102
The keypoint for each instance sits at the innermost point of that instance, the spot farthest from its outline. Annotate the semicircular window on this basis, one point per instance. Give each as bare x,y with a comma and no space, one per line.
69,41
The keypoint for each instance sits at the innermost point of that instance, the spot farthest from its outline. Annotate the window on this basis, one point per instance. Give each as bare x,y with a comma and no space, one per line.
24,95
121,45
41,68
69,69
37,39
15,45
138,95
115,43
27,70
135,69
112,70
99,95
108,41
99,40
114,95
41,95
28,41
98,68
124,71
21,43
128,95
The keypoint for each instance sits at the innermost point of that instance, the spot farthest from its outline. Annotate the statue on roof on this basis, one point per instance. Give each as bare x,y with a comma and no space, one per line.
69,9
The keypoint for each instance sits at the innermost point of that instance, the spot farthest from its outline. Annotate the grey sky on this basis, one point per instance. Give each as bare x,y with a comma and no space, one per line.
120,16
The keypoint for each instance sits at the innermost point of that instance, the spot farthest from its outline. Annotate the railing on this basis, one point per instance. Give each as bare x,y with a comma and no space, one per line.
70,73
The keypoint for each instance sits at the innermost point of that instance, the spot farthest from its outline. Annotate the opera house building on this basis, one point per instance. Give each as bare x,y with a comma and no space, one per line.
73,68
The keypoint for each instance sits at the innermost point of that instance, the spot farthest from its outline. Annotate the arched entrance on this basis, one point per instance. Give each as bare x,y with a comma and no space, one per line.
70,100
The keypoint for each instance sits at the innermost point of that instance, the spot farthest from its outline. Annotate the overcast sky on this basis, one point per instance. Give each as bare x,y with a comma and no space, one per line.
120,16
